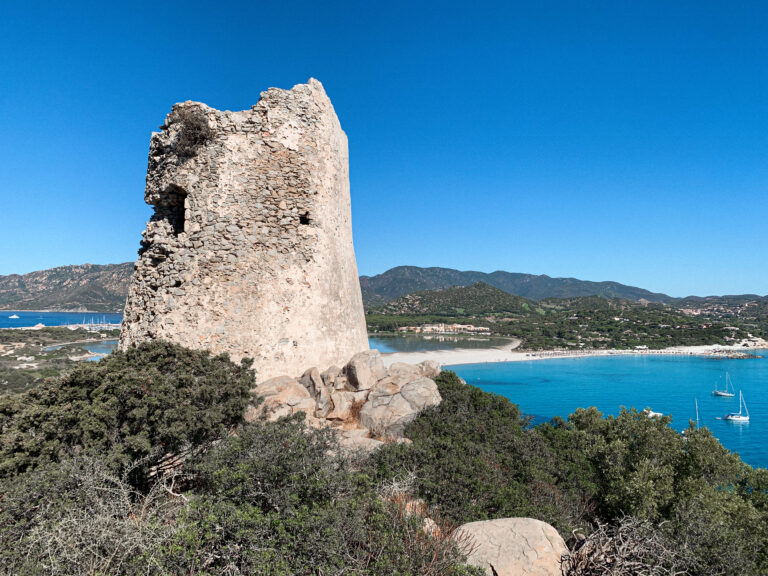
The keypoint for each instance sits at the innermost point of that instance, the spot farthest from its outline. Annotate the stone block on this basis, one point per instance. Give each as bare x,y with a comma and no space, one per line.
364,370
515,546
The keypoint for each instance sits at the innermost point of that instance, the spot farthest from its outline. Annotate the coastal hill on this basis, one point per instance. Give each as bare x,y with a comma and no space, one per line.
82,288
477,299
403,280
591,322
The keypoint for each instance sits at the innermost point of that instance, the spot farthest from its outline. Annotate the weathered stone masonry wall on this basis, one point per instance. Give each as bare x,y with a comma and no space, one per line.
250,248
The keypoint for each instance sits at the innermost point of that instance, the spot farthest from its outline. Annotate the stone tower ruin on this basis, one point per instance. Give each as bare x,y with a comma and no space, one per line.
249,250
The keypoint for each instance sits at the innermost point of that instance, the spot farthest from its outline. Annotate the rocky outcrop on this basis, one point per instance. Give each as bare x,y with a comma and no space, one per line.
284,396
367,402
249,251
364,370
358,439
427,368
395,401
515,547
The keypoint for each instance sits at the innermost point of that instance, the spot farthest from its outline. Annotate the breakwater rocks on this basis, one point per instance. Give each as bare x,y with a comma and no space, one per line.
368,403
249,250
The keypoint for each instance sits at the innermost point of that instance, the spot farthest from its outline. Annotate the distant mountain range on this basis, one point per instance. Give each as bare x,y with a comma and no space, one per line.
403,280
87,287
103,288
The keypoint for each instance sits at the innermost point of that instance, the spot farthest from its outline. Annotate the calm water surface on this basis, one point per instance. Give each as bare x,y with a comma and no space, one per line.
103,347
29,319
667,384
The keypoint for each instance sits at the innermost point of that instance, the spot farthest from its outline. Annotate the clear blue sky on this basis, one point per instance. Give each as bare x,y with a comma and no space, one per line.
611,140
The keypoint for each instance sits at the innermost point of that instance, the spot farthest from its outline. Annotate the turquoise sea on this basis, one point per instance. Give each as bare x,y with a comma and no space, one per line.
666,384
27,319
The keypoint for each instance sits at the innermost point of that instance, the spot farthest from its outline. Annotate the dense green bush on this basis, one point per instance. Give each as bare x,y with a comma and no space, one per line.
142,404
281,499
273,501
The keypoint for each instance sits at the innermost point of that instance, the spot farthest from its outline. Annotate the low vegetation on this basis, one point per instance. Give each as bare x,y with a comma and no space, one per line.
195,131
143,463
147,405
478,299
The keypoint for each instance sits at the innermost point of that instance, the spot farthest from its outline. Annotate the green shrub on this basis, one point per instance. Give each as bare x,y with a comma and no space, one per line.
278,468
276,499
280,499
634,461
272,500
141,404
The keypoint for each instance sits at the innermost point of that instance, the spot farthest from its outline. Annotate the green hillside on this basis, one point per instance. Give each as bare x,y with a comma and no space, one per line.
477,299
571,323
403,280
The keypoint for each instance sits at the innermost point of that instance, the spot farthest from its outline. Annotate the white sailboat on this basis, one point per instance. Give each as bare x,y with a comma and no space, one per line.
739,416
684,432
697,412
14,317
727,393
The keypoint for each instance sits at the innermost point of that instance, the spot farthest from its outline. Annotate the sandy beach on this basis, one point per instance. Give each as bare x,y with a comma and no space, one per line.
509,353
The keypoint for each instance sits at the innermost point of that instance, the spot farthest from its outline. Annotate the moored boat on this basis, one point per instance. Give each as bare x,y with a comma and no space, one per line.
742,415
729,393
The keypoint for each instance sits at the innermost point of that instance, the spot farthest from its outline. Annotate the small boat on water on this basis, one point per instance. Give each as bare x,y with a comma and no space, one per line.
728,393
13,317
742,415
